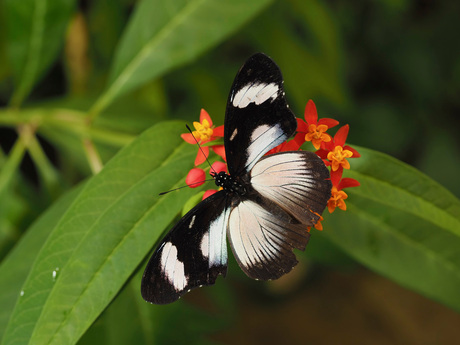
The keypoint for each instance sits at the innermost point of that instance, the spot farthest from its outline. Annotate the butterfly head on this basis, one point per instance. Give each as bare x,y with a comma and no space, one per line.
228,183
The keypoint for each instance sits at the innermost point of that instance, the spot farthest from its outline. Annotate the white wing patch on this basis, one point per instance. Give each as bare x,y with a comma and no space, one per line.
262,242
290,180
217,240
172,268
235,132
192,222
263,138
256,93
204,245
248,245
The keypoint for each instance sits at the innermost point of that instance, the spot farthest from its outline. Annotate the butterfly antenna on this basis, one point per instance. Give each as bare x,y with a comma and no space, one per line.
189,129
191,184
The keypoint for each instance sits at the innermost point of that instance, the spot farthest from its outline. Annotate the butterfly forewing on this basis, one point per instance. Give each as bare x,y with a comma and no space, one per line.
192,254
258,117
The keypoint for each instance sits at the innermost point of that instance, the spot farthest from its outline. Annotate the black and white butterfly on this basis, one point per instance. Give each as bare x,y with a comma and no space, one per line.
266,203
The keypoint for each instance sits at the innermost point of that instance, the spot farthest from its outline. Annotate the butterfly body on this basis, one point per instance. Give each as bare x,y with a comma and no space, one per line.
228,183
266,202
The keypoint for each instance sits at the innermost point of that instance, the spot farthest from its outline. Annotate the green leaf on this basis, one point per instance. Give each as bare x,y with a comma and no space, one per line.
35,33
15,268
402,224
131,320
192,202
102,238
163,35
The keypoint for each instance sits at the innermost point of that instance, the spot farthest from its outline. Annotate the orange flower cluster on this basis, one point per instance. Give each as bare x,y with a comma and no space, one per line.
332,151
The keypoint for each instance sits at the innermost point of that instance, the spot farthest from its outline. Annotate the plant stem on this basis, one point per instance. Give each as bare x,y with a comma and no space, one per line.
46,170
64,119
94,159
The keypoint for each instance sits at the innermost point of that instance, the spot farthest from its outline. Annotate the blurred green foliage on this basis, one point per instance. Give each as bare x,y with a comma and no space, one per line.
81,80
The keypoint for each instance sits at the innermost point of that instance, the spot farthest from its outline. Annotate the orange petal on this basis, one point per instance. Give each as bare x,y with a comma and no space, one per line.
355,153
219,131
299,139
311,115
345,164
220,150
316,143
348,182
328,122
205,116
336,176
331,206
291,145
188,137
319,226
341,204
302,126
341,136
326,137
202,155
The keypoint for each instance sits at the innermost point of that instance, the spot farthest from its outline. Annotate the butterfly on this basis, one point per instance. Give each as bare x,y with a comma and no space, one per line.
266,204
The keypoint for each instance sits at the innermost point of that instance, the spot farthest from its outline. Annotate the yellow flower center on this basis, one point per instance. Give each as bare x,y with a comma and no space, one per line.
337,200
338,158
316,135
203,131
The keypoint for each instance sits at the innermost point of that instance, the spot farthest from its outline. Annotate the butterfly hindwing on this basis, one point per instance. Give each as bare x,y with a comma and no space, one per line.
257,117
192,254
297,181
262,236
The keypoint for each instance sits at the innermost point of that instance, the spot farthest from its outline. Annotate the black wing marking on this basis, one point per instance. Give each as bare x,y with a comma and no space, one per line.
297,181
192,254
262,237
257,116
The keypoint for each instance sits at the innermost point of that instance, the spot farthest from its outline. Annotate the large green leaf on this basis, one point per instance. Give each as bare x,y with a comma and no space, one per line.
164,34
130,320
15,268
35,33
402,224
102,238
